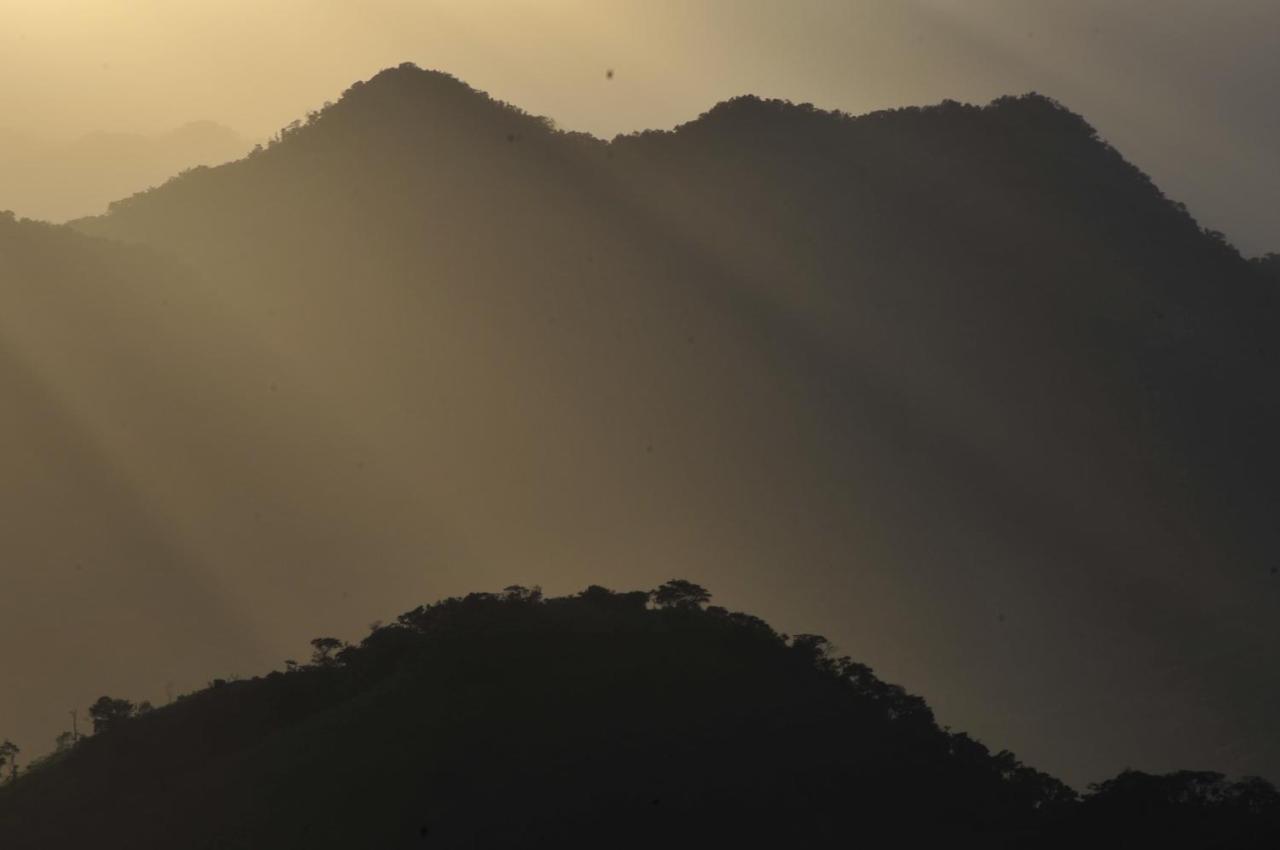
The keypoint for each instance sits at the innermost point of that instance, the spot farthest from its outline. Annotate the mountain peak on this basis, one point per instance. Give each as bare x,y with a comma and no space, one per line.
409,78
408,94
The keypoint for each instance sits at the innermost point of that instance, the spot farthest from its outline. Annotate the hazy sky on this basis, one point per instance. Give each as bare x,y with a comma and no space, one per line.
1185,88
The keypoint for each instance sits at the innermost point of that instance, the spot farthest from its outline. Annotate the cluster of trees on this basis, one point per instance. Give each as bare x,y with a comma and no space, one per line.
109,712
1269,265
106,713
9,756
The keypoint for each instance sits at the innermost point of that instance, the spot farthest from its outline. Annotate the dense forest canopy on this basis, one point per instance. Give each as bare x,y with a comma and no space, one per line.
510,719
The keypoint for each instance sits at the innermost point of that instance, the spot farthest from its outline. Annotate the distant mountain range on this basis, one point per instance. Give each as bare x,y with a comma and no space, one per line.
56,181
957,385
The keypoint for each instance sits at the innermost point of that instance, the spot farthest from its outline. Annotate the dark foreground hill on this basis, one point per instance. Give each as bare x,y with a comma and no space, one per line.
958,385
598,720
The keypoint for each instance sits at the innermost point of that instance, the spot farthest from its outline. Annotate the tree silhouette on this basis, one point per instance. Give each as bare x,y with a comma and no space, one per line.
1269,266
519,593
323,650
9,756
108,713
679,593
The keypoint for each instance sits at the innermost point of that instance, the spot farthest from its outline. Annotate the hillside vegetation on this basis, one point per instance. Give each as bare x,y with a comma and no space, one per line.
614,719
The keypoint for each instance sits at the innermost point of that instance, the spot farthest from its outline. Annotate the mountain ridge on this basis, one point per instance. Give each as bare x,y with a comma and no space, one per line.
388,93
981,389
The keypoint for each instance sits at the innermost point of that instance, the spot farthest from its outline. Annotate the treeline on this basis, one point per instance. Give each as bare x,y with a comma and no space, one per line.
571,715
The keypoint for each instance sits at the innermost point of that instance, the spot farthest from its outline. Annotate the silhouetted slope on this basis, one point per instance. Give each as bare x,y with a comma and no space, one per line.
507,720
957,381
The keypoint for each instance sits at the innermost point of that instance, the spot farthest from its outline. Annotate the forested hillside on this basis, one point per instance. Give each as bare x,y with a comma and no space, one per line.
603,718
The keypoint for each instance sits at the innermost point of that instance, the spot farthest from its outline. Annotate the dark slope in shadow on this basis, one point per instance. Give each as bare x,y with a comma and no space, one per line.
507,720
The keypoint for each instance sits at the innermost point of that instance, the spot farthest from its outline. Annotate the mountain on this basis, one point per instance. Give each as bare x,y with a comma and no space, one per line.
510,720
60,180
957,384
